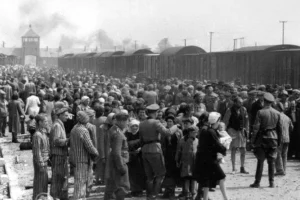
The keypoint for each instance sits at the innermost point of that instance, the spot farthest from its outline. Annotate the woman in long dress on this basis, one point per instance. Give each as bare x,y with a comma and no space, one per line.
16,114
207,167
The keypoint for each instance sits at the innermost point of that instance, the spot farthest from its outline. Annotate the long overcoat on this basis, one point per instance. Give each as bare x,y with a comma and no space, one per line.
15,112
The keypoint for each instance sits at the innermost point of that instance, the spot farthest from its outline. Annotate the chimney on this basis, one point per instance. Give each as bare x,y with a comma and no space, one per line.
59,49
84,48
46,48
96,50
3,44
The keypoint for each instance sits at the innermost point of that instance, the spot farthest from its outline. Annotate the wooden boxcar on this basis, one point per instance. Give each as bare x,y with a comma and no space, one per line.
150,68
172,62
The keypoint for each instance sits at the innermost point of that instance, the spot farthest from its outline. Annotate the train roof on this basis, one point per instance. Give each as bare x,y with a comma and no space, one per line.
267,48
109,53
137,52
182,51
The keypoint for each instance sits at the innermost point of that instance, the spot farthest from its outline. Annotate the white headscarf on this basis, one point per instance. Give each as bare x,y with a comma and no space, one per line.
131,123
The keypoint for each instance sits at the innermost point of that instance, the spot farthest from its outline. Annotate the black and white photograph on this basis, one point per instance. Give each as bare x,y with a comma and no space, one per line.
150,100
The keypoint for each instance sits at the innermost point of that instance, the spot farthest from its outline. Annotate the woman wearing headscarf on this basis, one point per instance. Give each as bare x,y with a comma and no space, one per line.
207,168
136,170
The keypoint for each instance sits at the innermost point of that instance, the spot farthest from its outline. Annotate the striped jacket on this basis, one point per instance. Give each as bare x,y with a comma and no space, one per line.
40,148
58,139
92,131
82,148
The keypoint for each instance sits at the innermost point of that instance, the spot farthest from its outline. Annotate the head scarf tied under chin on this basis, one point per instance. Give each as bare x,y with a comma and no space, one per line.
132,123
82,117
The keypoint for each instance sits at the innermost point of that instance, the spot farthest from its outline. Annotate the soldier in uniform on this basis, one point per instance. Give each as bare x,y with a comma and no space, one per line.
59,153
150,134
266,138
119,156
81,152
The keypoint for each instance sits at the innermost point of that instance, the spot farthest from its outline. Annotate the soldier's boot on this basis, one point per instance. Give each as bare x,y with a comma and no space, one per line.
157,185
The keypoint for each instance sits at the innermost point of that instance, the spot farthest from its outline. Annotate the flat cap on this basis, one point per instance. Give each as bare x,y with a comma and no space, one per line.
269,97
253,92
152,107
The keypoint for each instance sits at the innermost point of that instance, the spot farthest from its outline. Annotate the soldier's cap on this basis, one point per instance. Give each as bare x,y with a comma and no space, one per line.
188,119
284,92
153,107
269,97
296,91
122,116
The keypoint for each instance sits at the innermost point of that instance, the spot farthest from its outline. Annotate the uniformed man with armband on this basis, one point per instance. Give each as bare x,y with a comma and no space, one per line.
150,134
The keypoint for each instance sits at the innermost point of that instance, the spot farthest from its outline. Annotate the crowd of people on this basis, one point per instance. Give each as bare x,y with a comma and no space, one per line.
134,135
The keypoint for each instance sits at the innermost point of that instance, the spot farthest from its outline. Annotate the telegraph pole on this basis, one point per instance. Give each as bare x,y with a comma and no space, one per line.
283,22
185,42
210,40
135,44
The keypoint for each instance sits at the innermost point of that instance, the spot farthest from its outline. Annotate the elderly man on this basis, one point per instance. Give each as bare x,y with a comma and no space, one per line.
59,152
266,139
84,104
82,151
150,134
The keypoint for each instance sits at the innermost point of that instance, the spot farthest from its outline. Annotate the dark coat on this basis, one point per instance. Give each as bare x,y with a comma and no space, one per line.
207,168
15,112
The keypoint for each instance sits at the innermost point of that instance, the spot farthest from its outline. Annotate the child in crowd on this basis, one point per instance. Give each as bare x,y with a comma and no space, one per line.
185,158
31,126
225,140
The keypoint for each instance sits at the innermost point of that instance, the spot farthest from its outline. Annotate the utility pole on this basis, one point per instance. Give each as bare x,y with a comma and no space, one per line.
283,22
234,44
135,44
185,42
210,40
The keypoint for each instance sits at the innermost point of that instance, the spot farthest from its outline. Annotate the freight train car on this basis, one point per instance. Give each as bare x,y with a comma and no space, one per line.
150,68
172,61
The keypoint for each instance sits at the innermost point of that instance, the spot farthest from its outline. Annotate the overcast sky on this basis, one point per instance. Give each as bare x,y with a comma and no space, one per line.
148,21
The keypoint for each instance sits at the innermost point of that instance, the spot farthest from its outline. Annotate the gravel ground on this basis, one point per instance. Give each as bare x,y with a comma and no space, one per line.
287,187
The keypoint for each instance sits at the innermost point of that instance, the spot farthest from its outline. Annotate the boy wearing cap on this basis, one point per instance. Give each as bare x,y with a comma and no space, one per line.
266,138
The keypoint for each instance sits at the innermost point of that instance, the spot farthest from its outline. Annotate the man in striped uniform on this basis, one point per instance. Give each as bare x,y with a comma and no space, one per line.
82,151
40,151
92,132
59,153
